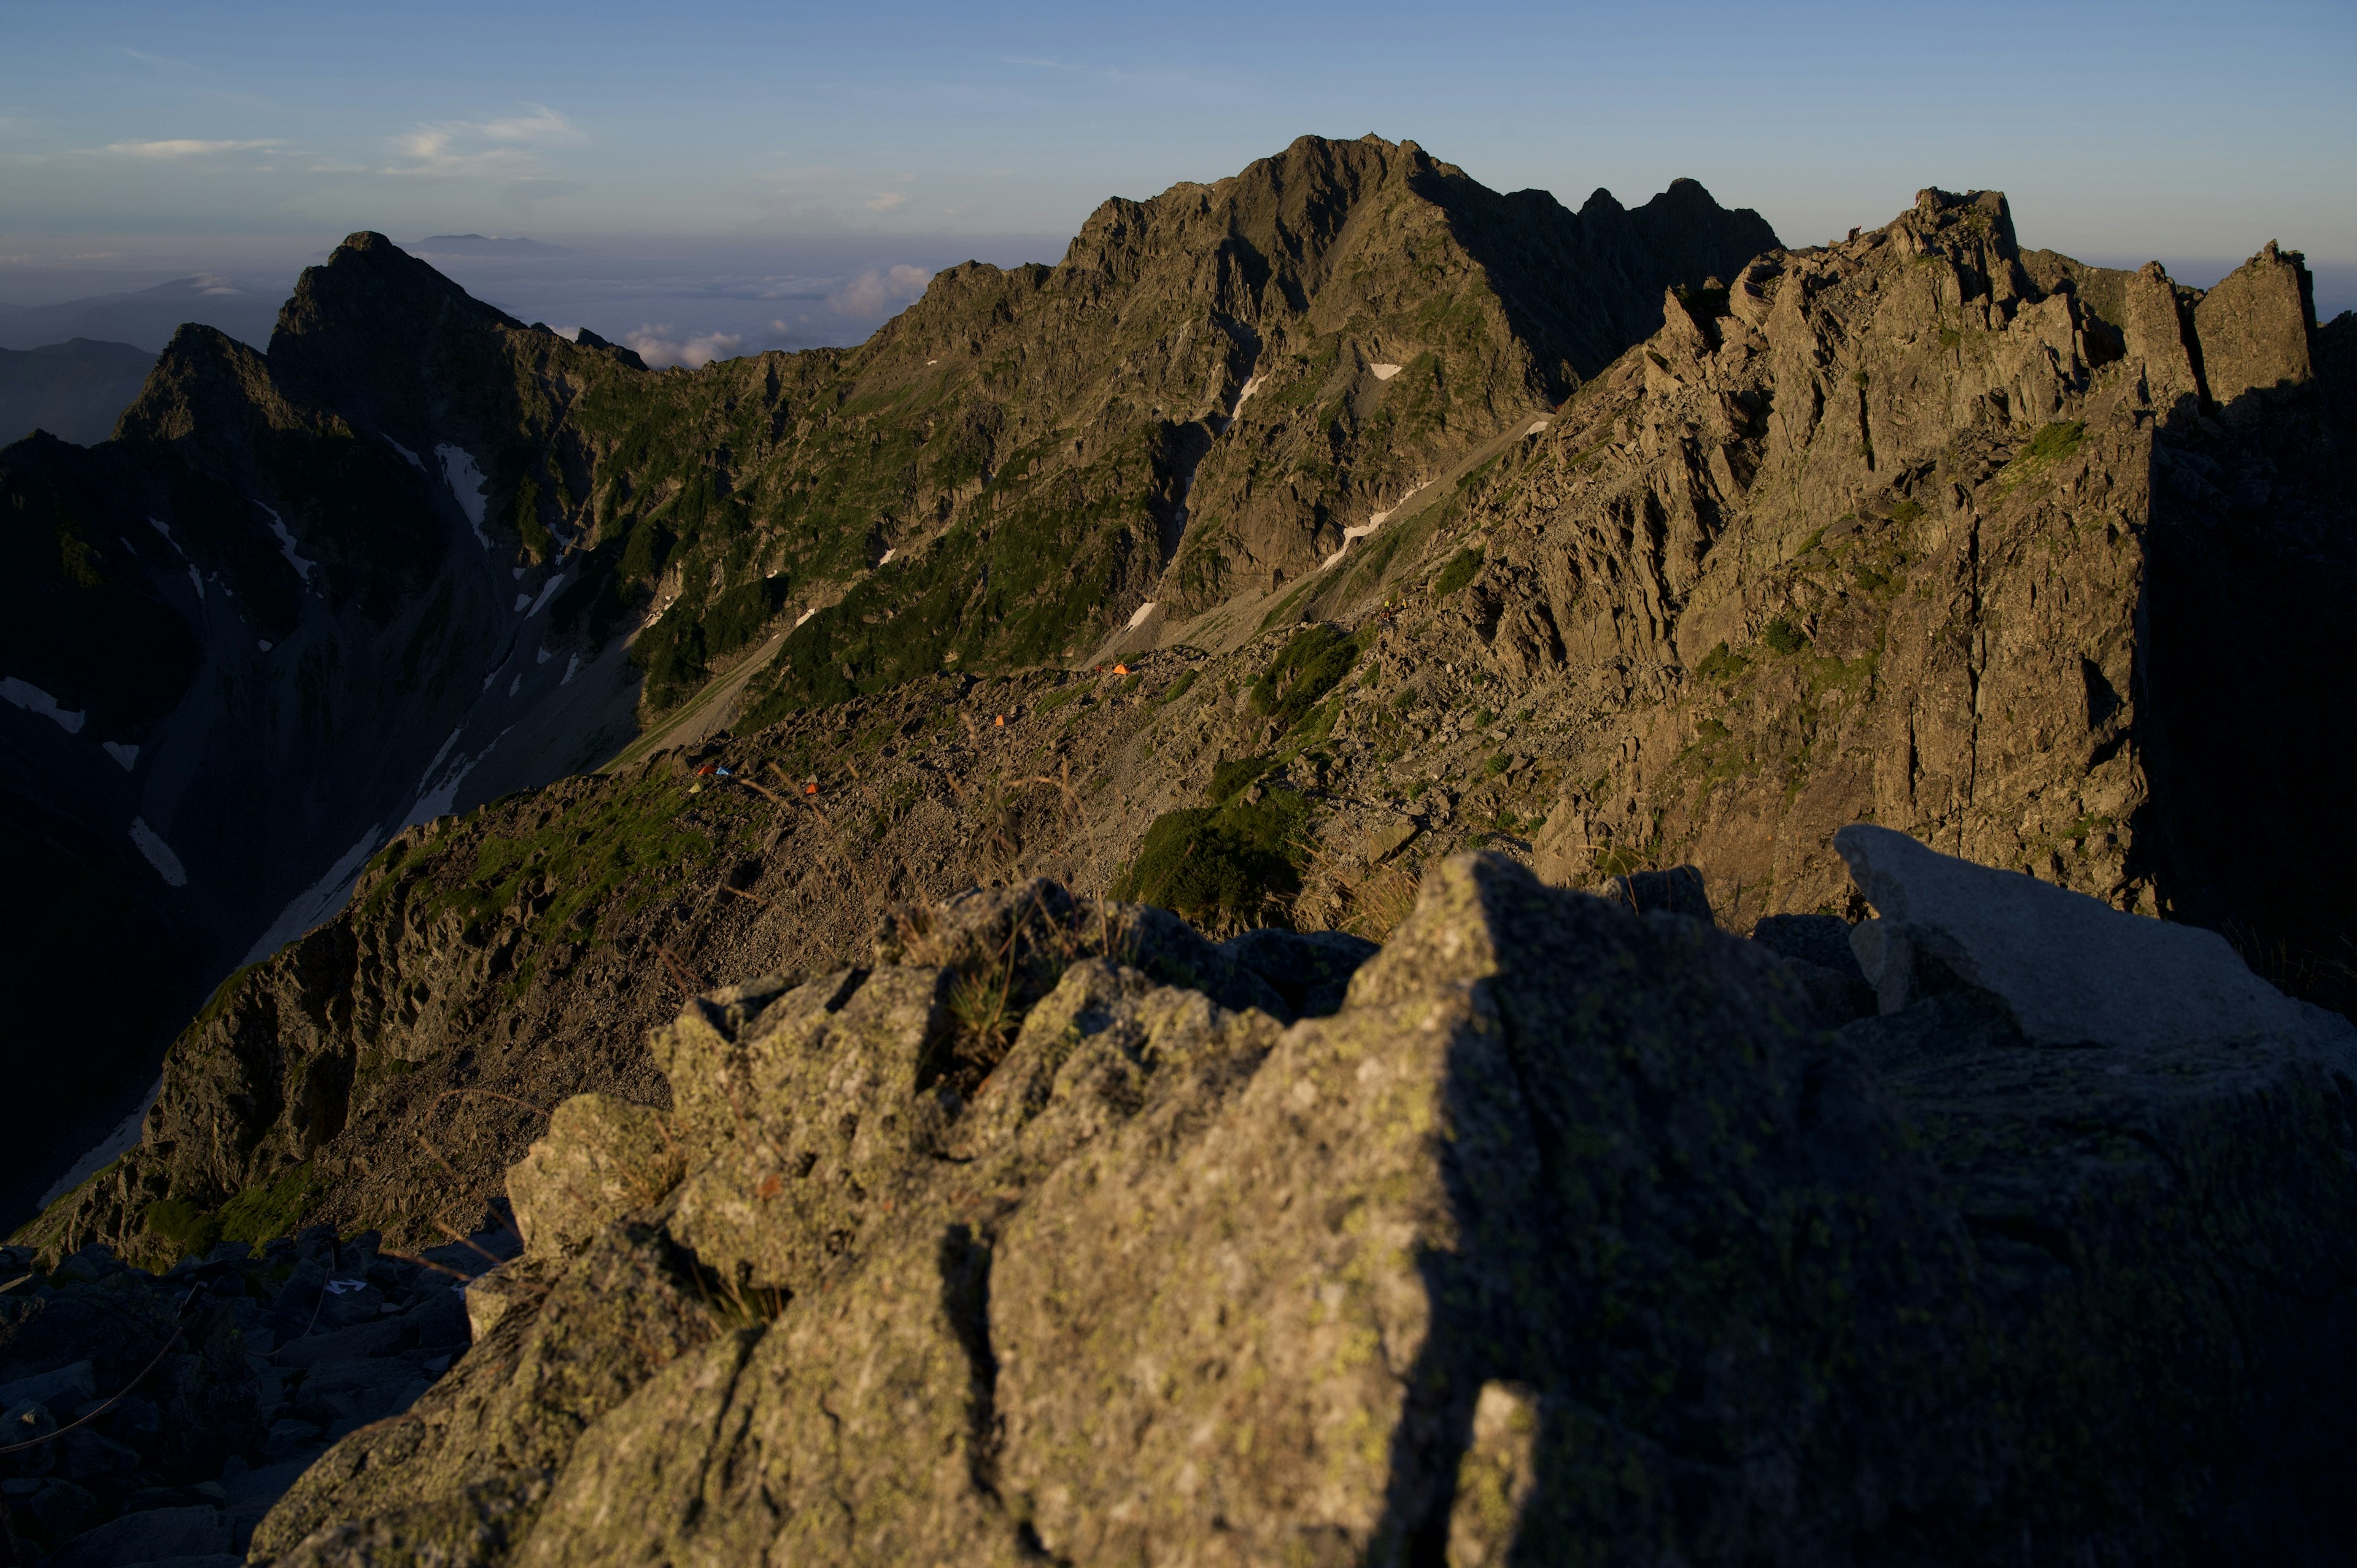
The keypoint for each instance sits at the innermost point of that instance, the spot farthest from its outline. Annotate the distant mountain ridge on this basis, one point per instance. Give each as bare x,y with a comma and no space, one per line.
75,390
244,308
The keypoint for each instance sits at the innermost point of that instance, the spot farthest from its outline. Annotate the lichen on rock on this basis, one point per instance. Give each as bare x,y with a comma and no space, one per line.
1574,1231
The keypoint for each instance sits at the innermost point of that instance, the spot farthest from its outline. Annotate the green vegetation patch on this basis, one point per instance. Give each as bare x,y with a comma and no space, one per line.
1224,867
2053,444
1307,667
1230,778
1462,568
263,1212
1784,635
271,1209
1722,663
584,858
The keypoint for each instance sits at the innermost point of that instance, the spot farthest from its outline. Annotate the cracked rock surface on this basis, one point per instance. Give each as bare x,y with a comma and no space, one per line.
1573,1233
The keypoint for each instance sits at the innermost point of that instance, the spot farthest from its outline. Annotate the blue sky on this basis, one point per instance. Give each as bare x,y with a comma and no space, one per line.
2118,130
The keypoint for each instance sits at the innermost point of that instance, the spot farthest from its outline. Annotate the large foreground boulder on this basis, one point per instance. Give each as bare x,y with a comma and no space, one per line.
1577,1234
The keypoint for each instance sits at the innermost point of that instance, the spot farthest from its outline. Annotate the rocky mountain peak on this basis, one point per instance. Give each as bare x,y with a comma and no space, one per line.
204,380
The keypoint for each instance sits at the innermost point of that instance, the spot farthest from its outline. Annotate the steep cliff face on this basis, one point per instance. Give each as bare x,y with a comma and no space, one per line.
1207,390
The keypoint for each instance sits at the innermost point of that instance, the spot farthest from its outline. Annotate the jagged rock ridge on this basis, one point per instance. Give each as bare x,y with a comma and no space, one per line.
1605,648
305,598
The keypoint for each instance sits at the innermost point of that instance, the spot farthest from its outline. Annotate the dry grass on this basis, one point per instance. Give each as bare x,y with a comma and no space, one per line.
1386,898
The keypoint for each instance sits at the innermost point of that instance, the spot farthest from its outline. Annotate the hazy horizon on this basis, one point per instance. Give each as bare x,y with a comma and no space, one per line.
2159,129
678,299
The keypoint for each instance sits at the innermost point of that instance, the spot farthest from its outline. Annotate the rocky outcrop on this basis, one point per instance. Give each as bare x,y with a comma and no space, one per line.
2069,969
1576,1233
2255,325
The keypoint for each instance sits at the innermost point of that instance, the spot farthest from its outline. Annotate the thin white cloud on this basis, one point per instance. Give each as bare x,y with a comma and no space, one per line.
488,149
879,290
183,147
543,125
887,200
661,349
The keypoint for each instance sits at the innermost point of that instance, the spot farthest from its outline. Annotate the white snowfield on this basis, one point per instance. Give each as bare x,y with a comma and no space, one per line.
435,796
127,1133
547,592
1138,617
415,461
32,699
572,667
465,482
197,578
1384,372
287,547
159,853
1537,425
126,754
317,902
1251,385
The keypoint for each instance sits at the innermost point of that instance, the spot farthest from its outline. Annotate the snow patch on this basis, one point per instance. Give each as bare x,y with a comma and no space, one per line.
159,525
465,482
805,614
105,1151
159,853
1373,523
437,762
547,592
32,699
542,657
572,667
262,643
194,576
1139,619
1251,385
887,560
317,903
1537,425
1384,372
126,754
522,600
415,461
517,574
517,684
436,795
286,548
